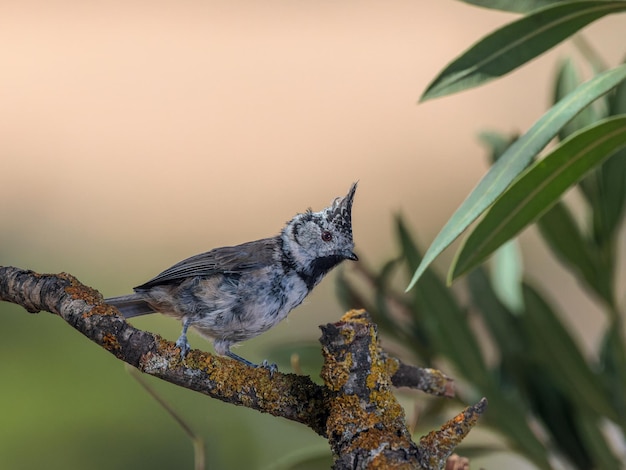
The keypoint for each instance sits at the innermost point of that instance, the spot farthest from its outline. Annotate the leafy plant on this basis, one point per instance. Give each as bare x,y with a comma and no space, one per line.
519,39
541,374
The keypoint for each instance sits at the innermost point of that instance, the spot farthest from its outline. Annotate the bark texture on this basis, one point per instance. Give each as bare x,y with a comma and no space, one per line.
355,409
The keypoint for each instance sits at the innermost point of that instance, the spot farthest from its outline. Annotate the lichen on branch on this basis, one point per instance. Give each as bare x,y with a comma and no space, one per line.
355,408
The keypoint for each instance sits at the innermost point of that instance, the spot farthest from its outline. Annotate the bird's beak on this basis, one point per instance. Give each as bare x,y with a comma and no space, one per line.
351,256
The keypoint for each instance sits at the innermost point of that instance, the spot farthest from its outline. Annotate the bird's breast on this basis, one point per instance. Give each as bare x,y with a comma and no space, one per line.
249,305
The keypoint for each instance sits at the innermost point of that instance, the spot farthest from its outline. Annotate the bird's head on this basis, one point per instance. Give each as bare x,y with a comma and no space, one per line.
318,241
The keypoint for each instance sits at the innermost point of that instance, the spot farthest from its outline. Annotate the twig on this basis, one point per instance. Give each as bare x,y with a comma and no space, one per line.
196,439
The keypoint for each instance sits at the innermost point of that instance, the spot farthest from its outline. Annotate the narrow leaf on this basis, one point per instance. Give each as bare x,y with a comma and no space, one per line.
506,272
612,180
506,275
613,362
349,296
515,160
556,411
512,422
444,321
497,143
515,6
555,348
611,198
568,80
538,189
517,43
588,424
562,234
617,100
386,317
501,323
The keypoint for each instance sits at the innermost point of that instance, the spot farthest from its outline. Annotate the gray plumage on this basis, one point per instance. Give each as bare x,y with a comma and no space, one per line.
235,293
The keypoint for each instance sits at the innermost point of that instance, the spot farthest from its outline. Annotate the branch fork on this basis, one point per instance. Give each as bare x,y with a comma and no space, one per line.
354,409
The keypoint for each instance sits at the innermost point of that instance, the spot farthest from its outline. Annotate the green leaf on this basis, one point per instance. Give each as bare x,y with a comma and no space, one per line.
506,270
554,347
557,412
388,318
507,274
442,318
609,212
497,143
613,361
515,6
512,422
447,324
617,100
538,189
562,234
517,43
383,317
590,54
349,296
612,181
515,160
588,425
567,81
501,324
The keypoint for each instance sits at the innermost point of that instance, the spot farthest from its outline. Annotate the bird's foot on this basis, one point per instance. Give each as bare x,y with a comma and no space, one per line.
265,364
183,344
270,366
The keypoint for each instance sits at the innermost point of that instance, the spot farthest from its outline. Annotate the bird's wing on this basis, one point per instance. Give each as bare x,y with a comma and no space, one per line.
228,259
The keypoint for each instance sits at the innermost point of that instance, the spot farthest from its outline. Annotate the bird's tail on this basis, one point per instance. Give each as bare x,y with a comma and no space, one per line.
131,305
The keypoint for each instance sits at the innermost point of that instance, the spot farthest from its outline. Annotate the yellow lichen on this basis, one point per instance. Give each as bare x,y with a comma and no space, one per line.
355,316
336,373
351,416
392,365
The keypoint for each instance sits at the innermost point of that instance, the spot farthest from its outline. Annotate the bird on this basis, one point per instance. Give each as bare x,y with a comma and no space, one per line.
235,293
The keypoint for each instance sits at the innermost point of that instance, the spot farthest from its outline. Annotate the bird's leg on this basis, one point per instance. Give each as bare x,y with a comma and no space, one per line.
182,342
266,365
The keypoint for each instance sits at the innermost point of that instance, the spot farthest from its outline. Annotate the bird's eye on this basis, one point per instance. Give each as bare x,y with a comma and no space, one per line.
327,236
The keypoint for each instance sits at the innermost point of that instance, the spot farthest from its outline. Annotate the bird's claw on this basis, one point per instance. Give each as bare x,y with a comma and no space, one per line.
271,367
265,364
184,346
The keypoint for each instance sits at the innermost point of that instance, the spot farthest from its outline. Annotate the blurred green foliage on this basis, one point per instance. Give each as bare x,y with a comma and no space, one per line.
541,377
545,24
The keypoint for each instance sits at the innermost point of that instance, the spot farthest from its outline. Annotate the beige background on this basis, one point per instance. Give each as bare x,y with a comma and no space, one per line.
133,134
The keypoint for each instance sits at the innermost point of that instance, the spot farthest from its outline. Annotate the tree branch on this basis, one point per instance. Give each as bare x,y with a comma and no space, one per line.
355,409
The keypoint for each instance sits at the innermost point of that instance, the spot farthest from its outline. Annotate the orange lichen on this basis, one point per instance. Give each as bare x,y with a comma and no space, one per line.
438,445
101,309
79,291
382,462
110,343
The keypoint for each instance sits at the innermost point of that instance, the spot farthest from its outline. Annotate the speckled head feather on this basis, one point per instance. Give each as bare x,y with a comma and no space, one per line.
340,212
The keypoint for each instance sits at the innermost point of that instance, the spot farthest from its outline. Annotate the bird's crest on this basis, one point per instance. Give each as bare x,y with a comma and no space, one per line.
340,212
